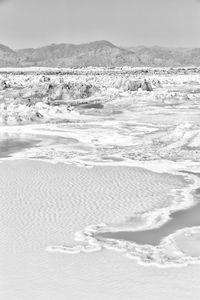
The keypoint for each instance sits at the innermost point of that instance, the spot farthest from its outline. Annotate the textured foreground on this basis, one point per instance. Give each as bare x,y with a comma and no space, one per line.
55,201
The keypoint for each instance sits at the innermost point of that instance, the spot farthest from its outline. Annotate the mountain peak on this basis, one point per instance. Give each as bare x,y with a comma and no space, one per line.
102,43
4,48
99,53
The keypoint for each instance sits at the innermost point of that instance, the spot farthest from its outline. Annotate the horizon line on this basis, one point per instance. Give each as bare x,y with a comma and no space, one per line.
102,40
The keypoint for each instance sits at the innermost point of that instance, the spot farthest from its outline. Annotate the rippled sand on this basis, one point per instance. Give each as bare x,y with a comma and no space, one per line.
45,204
60,193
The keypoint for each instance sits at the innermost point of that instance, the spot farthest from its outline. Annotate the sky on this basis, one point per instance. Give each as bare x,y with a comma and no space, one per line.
35,23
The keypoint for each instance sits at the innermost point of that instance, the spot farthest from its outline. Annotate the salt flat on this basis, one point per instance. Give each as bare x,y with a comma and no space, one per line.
89,151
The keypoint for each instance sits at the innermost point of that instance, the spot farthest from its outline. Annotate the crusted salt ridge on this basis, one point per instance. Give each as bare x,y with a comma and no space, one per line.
18,90
176,141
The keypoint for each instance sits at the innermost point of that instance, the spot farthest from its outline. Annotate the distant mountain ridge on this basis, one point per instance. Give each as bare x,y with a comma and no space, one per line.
99,53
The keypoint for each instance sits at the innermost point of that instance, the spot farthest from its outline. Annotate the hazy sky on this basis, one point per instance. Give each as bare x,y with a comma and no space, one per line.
33,23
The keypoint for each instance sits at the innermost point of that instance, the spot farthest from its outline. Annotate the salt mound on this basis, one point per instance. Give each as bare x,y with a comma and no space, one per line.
133,85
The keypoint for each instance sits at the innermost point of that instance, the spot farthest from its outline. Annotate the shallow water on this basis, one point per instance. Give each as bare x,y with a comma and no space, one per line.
178,220
10,146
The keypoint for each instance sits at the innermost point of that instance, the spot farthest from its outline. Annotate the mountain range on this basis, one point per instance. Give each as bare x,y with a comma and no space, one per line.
99,53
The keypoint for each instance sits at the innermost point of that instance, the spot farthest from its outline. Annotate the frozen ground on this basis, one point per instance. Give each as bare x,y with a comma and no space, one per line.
118,117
